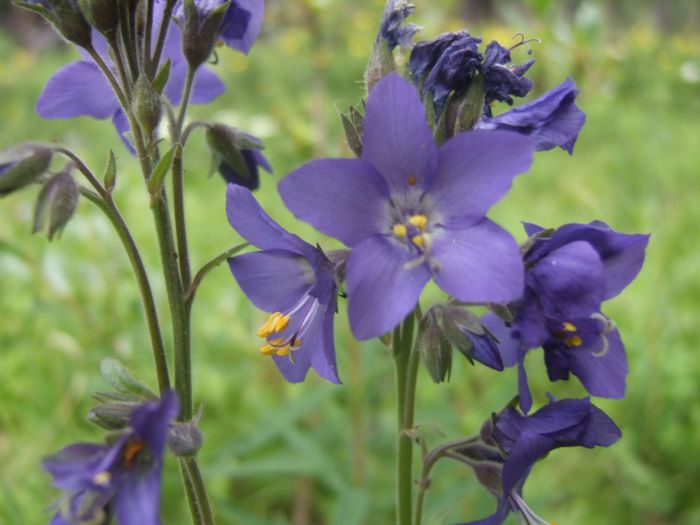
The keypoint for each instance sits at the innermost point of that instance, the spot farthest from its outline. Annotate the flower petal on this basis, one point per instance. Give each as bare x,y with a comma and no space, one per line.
151,421
569,282
381,290
77,89
344,198
73,466
242,24
138,500
602,375
256,226
274,280
475,170
396,137
527,450
481,264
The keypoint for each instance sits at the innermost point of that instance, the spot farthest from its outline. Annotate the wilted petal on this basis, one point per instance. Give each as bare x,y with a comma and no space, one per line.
481,264
382,291
396,137
344,198
475,170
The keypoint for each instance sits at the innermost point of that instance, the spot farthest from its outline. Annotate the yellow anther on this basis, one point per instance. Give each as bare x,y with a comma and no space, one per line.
418,240
270,326
283,351
102,478
574,341
281,323
400,231
419,221
267,350
569,327
412,180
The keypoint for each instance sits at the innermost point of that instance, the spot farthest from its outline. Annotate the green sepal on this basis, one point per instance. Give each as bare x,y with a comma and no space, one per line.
155,182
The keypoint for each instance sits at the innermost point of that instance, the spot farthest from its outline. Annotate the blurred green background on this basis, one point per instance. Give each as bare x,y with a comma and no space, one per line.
319,454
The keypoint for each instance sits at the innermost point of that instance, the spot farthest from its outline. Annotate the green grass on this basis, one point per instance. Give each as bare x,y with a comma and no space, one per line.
324,453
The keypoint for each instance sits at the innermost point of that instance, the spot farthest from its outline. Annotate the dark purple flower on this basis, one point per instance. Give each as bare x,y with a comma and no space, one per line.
292,280
124,475
551,120
446,64
392,29
241,24
412,211
568,277
503,81
254,160
80,88
508,450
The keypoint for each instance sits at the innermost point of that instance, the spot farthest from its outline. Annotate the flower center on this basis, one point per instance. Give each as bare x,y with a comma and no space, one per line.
567,335
102,479
414,229
283,331
131,450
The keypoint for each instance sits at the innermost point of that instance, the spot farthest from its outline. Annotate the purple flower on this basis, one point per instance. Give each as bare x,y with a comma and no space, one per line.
412,211
123,476
292,280
241,24
501,80
392,29
551,120
511,446
568,277
80,88
254,160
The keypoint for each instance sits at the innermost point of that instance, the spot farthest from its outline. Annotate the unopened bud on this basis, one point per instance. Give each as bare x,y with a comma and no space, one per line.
22,165
201,30
236,155
66,16
435,349
56,204
185,439
467,334
103,15
147,105
353,123
112,415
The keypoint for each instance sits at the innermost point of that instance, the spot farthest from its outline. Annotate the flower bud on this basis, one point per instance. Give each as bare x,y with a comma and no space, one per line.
435,349
467,334
22,165
66,16
56,204
353,123
148,106
185,439
236,155
112,415
201,30
103,15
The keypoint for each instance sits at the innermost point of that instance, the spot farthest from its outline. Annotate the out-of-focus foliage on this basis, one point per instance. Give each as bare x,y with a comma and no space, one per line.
317,454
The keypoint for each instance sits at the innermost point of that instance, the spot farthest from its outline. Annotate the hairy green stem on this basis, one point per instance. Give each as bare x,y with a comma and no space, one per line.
196,492
405,390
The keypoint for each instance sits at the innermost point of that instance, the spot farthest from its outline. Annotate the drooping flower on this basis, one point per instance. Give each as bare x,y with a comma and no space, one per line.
503,81
411,211
568,277
392,29
511,445
80,88
123,476
242,22
291,280
237,155
551,120
22,165
254,160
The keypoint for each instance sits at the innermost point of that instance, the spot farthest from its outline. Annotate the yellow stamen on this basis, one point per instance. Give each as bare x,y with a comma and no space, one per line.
131,450
412,180
268,350
574,341
418,240
269,327
283,351
569,327
400,231
281,323
419,221
102,478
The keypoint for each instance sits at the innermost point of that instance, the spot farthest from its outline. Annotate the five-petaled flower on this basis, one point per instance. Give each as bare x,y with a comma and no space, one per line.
122,477
511,445
412,211
569,275
292,280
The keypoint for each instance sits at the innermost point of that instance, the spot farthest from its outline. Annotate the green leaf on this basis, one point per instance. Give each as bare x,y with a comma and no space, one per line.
155,182
162,77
